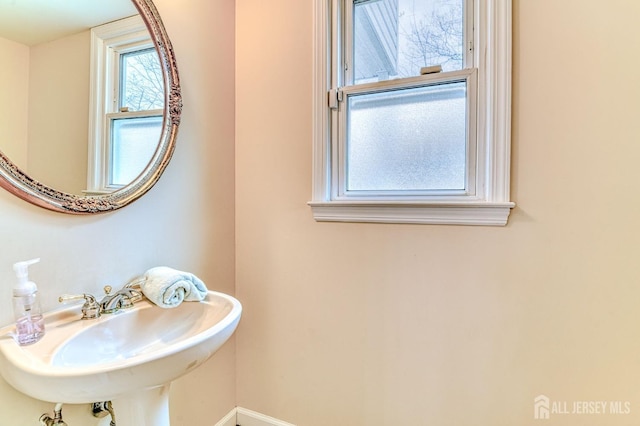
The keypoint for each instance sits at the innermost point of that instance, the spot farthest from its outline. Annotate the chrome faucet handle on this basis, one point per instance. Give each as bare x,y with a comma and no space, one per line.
90,309
134,289
128,296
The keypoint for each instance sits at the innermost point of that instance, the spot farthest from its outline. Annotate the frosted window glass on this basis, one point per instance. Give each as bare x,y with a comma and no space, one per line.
134,142
407,140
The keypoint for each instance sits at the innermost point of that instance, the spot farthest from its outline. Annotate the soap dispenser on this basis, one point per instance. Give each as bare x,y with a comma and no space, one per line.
26,306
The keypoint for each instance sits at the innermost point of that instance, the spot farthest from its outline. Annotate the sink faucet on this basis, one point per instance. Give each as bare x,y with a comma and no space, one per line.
110,303
121,299
90,309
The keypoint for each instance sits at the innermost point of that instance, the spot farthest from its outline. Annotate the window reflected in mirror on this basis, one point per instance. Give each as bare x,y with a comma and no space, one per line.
91,111
127,106
136,127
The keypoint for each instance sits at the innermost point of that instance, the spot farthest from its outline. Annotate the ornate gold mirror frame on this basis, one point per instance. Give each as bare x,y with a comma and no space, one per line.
22,185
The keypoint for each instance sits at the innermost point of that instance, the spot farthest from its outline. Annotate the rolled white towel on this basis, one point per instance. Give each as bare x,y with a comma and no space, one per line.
168,287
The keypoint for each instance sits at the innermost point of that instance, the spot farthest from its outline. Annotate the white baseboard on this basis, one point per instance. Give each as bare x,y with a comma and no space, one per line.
229,419
243,417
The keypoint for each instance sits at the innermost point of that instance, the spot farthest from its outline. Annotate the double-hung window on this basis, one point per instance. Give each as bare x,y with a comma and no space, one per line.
412,111
127,101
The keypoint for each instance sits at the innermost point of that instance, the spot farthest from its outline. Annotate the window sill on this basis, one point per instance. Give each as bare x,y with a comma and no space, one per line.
443,213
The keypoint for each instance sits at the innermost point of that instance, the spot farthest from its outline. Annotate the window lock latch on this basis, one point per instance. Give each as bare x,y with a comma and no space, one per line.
335,97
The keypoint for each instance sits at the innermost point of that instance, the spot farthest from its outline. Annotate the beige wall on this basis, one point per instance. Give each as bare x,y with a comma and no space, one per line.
59,112
14,89
185,221
45,109
380,325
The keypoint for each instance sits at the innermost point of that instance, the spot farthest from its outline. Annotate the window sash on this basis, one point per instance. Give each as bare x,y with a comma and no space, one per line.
339,144
343,34
126,70
110,147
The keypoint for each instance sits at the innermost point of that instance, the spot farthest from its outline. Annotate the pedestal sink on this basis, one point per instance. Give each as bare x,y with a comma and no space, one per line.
129,358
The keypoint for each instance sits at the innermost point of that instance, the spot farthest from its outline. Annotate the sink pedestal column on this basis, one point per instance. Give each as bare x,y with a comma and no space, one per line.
148,407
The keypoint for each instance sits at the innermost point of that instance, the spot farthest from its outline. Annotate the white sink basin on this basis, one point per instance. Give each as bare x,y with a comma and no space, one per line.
121,356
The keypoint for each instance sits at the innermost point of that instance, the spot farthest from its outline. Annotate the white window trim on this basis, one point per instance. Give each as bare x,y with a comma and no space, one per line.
491,204
107,41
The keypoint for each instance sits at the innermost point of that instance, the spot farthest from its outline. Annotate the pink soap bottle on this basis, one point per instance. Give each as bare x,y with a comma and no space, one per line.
26,306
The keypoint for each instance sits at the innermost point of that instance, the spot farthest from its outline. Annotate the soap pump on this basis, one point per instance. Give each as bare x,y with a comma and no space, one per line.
26,306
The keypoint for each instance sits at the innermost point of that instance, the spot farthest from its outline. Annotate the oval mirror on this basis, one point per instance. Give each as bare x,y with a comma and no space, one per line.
91,104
